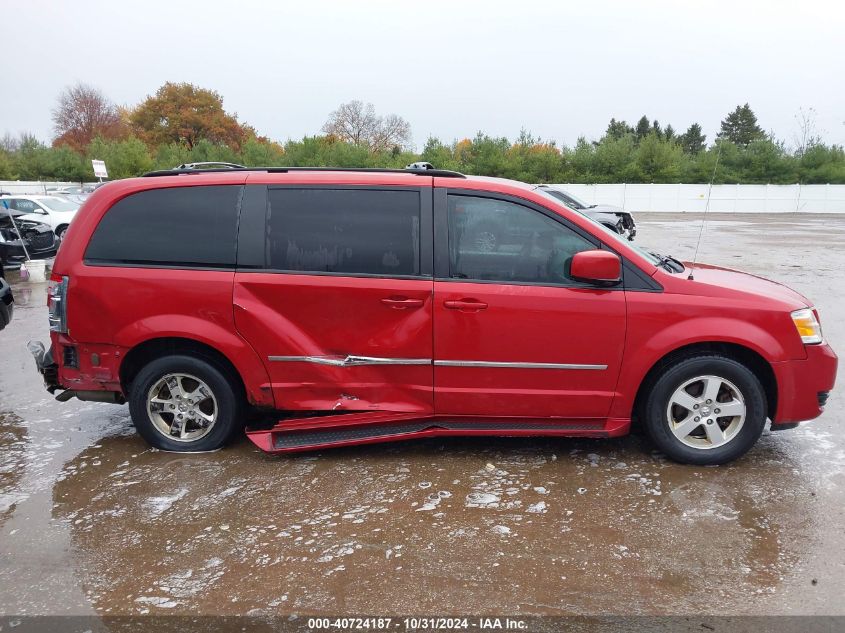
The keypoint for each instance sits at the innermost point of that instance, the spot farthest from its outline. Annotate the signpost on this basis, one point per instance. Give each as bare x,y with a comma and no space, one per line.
100,169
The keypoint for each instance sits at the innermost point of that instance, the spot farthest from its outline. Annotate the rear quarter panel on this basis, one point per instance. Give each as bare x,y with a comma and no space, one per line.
122,306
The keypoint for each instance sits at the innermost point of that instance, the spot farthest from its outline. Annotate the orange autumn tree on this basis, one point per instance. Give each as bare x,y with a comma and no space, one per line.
185,114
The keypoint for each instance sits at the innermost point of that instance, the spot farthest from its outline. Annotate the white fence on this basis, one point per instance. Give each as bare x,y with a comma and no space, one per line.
32,187
645,197
723,198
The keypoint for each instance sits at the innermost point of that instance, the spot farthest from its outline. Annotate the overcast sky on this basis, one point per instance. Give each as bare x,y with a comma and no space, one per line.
558,69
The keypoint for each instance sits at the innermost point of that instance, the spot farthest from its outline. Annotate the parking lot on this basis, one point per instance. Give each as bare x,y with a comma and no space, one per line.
93,521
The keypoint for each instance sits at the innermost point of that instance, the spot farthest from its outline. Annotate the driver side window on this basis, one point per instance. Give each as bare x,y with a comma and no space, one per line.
496,240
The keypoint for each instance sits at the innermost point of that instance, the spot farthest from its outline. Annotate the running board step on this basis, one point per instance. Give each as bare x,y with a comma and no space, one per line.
302,434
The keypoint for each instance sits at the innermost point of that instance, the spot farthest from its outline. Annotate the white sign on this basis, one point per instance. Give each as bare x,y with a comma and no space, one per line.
100,169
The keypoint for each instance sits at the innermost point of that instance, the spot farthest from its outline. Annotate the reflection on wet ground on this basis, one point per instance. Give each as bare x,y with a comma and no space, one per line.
93,521
532,526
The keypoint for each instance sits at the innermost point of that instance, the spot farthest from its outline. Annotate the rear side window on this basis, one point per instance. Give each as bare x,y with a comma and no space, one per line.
345,231
183,226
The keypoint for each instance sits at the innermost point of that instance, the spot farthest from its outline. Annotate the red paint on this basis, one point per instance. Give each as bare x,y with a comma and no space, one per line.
249,317
596,266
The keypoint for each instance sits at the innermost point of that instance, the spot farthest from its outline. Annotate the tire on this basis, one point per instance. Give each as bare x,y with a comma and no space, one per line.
211,404
60,232
678,422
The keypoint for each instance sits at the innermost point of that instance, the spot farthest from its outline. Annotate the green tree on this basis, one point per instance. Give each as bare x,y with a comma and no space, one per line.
261,152
124,159
438,154
614,160
692,141
740,126
32,158
659,160
65,164
655,127
822,164
643,128
618,129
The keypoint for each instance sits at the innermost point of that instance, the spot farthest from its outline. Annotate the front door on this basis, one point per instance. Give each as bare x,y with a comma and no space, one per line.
340,308
515,336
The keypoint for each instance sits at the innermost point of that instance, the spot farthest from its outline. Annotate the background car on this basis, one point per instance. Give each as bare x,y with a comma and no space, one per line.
57,211
78,193
614,218
7,303
38,238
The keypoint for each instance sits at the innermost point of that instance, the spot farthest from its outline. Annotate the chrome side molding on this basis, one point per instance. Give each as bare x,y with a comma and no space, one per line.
350,361
354,361
508,365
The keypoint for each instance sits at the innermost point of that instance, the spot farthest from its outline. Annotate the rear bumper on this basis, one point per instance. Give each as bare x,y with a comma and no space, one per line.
803,385
46,365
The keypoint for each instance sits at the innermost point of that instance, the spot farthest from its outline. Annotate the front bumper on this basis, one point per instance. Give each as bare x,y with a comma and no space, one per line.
803,385
15,254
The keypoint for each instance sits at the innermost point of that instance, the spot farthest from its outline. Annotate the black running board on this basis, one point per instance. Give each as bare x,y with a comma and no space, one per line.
363,428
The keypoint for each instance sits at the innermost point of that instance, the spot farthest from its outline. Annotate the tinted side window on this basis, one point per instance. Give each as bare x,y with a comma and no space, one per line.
180,225
501,241
353,231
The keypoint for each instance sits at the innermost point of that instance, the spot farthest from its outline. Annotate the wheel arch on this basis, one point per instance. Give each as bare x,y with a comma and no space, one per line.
147,351
758,365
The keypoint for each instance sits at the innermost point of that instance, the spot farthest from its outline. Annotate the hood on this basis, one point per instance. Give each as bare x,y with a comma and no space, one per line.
727,281
599,216
606,208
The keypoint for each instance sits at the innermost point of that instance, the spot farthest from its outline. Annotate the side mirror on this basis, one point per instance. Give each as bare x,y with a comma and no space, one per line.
596,266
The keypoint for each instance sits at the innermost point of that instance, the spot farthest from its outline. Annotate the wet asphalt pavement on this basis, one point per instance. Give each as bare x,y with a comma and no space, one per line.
92,521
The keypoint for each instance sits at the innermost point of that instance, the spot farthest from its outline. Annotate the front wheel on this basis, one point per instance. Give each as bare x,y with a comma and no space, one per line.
705,410
185,404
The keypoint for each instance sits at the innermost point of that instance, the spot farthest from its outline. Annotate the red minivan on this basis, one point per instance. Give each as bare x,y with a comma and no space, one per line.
373,305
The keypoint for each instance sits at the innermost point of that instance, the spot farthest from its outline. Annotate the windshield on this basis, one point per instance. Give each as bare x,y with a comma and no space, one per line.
568,199
611,236
59,204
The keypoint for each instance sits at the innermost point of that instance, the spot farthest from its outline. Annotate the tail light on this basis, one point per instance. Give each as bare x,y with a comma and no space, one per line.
57,303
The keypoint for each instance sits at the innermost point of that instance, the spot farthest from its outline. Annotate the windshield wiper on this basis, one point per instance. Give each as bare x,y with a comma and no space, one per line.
669,263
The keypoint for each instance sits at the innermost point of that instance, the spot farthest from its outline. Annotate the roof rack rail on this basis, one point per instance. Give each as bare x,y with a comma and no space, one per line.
210,164
191,168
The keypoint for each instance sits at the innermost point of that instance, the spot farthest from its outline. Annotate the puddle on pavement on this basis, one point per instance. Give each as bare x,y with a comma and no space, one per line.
13,455
527,525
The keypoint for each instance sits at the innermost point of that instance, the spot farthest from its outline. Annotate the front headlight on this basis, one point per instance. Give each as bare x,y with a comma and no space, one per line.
808,326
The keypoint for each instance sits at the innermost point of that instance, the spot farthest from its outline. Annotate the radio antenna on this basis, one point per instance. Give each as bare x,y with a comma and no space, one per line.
706,208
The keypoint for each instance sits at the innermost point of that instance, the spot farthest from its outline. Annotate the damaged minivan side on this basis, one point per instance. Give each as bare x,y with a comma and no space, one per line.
355,306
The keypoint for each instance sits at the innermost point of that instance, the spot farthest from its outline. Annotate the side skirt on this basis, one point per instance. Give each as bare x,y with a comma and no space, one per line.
304,434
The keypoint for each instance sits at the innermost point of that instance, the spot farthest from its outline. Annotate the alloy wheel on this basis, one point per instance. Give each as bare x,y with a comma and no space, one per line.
182,407
706,412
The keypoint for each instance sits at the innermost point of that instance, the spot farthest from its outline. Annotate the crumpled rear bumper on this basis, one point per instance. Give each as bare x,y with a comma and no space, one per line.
46,365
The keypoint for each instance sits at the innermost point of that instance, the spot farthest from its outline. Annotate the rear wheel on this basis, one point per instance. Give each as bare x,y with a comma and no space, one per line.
705,410
185,404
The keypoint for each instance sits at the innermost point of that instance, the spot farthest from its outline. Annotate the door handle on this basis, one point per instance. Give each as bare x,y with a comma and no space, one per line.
465,305
401,303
